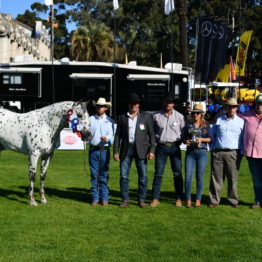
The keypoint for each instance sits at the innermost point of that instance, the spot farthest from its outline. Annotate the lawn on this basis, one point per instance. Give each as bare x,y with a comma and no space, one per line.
68,228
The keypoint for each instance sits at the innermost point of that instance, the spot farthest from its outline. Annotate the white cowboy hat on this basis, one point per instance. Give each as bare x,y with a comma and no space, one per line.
102,102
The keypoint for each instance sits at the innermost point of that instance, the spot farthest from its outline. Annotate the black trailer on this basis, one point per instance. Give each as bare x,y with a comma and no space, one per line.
31,83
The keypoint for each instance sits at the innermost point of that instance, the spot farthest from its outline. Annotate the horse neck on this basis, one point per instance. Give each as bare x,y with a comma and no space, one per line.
57,114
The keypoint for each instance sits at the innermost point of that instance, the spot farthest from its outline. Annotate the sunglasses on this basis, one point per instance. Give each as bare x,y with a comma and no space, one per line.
197,113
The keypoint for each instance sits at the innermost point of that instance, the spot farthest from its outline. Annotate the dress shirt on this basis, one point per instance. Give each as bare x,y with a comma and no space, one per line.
169,128
228,132
131,127
252,135
101,126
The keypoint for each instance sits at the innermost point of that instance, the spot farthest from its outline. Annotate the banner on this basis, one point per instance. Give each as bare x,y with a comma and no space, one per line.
49,2
242,52
115,4
169,6
212,39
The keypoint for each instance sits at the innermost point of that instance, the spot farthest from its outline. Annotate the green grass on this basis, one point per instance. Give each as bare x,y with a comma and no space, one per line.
68,228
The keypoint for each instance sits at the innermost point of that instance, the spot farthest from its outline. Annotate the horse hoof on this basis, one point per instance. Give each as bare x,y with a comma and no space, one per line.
43,201
33,203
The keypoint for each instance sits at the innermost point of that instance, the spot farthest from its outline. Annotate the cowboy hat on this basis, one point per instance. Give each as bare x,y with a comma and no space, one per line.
198,108
133,99
169,98
102,102
231,102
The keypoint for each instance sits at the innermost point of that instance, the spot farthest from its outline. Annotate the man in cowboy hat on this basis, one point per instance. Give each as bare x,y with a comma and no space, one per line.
102,131
253,148
168,126
134,139
226,157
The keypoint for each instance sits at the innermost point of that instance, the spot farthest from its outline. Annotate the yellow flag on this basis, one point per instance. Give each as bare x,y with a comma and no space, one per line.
242,52
223,74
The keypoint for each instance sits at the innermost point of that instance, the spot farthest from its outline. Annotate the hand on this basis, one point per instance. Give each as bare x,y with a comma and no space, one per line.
116,157
150,156
199,140
188,142
103,138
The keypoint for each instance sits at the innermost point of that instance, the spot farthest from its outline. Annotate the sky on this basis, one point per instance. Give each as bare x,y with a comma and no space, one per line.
15,7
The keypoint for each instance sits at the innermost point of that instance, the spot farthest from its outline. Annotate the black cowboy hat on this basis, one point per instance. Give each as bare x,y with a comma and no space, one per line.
133,99
169,98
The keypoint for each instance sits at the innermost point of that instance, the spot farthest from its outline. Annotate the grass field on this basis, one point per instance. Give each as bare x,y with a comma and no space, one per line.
68,228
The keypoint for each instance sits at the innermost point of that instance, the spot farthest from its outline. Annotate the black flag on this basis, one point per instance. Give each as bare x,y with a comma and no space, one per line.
212,39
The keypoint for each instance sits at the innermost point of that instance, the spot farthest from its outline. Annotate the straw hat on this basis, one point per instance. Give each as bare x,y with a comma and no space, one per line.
259,98
198,108
231,102
102,102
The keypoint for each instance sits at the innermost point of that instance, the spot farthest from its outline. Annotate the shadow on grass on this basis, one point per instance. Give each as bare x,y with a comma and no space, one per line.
83,195
14,195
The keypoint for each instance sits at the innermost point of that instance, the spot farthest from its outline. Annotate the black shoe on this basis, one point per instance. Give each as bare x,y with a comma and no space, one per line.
235,205
124,204
211,205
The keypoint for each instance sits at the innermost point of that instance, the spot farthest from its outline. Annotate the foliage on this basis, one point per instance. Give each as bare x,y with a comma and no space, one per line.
68,228
144,31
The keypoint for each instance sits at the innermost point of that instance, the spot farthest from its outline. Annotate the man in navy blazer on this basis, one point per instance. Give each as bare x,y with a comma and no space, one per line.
134,139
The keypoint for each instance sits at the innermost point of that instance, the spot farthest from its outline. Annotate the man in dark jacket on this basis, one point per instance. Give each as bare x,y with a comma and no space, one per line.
135,139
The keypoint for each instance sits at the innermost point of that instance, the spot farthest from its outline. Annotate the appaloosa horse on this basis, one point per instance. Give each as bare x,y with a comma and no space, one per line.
37,134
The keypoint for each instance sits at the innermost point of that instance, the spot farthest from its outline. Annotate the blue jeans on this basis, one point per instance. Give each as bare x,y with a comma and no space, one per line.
174,153
99,165
141,165
255,166
195,158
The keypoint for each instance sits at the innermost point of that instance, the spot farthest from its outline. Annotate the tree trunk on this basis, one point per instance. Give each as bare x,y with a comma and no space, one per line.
182,14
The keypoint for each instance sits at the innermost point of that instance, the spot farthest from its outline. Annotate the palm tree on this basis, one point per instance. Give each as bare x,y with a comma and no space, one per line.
93,42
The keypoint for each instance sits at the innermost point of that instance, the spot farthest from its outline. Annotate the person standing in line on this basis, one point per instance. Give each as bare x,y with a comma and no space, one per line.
226,156
168,126
197,137
102,131
253,148
134,139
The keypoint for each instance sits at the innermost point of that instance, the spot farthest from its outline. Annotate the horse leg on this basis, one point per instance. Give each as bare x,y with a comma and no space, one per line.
32,172
44,166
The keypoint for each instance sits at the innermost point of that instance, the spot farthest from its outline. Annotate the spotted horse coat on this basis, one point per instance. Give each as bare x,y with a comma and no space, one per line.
37,134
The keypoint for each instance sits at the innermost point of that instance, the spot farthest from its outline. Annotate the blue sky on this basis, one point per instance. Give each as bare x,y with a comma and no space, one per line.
15,7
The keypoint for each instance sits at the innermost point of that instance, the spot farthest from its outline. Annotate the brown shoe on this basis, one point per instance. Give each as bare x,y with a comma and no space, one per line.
255,206
154,203
235,205
105,203
142,204
94,203
211,205
178,203
188,204
124,204
198,203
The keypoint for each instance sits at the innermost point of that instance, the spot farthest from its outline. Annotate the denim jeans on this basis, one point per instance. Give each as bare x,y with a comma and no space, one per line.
174,153
195,158
99,165
255,166
141,165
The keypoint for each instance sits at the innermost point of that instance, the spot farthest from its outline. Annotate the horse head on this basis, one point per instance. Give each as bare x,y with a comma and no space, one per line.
80,108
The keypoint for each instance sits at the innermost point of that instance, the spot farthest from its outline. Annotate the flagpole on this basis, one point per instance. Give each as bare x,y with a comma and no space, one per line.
52,51
171,53
114,86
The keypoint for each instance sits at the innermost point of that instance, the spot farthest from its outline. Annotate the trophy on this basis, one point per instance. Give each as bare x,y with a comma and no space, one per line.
195,134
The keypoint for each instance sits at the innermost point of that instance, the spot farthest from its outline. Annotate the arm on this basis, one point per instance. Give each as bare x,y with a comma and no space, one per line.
117,141
152,140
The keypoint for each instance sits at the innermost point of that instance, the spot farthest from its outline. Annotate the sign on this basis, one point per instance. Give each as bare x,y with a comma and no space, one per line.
70,140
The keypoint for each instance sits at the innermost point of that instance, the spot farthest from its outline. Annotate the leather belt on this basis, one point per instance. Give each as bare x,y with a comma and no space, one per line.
224,150
176,143
98,147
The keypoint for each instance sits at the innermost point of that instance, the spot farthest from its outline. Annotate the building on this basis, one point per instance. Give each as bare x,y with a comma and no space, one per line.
21,43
